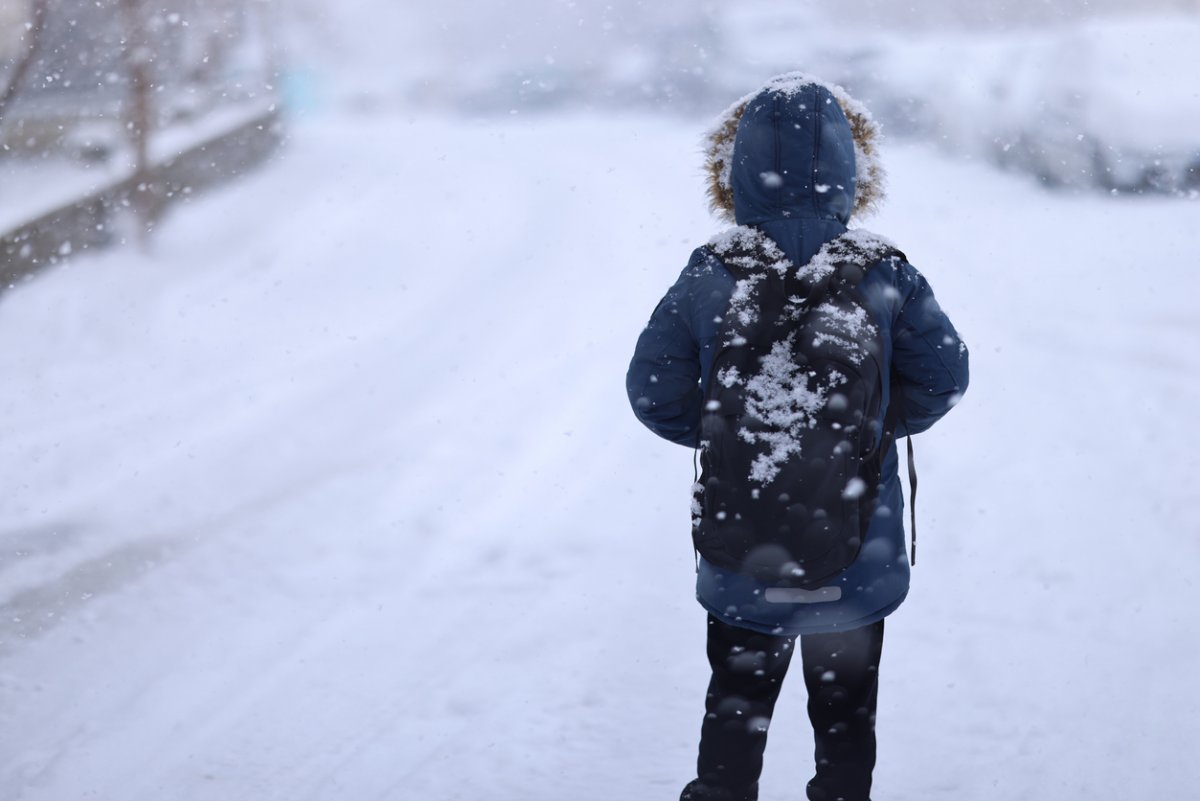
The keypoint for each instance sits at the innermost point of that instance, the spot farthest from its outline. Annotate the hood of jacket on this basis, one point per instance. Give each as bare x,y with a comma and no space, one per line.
795,149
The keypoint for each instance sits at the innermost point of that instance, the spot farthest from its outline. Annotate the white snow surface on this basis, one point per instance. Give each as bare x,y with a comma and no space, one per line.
335,494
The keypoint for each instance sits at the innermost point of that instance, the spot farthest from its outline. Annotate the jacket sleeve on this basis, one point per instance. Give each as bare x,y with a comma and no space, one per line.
930,360
663,382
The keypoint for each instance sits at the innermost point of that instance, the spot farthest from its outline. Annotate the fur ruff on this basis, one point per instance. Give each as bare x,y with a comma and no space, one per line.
718,146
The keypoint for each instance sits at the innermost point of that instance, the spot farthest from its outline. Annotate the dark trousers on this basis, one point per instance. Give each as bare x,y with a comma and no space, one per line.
841,672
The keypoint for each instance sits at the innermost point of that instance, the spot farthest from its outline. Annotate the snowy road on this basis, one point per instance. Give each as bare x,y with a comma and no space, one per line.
335,495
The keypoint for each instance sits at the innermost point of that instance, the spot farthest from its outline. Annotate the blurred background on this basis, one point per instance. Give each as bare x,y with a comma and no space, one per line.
317,475
1095,94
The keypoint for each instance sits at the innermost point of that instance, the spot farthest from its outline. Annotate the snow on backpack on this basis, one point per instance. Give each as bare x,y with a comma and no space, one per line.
792,438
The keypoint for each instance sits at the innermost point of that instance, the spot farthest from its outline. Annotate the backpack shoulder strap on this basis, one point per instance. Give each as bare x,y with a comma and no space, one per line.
855,252
852,254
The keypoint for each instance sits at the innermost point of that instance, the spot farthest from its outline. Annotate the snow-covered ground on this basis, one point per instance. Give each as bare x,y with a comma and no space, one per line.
336,495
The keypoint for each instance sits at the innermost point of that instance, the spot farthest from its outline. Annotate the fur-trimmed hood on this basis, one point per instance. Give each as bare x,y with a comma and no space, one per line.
794,148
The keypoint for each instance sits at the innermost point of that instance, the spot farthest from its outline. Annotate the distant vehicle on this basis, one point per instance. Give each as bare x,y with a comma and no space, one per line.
1111,104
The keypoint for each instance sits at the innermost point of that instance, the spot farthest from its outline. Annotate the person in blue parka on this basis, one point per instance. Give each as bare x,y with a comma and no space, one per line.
796,160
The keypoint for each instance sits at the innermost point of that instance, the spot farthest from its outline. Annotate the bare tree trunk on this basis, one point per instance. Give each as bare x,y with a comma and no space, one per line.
144,198
33,38
268,36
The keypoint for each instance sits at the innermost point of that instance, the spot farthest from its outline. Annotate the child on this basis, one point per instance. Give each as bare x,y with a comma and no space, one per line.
776,562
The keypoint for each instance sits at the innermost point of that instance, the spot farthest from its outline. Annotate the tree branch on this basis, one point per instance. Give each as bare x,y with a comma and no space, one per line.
33,38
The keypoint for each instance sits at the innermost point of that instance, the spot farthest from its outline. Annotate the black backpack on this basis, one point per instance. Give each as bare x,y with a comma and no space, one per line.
792,440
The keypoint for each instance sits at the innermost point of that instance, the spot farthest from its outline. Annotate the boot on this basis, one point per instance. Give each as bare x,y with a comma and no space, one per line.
697,790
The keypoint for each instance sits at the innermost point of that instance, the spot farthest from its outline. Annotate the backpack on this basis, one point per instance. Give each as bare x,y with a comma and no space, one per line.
792,439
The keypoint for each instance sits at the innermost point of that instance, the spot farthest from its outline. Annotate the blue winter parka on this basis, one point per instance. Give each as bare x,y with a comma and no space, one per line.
794,172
